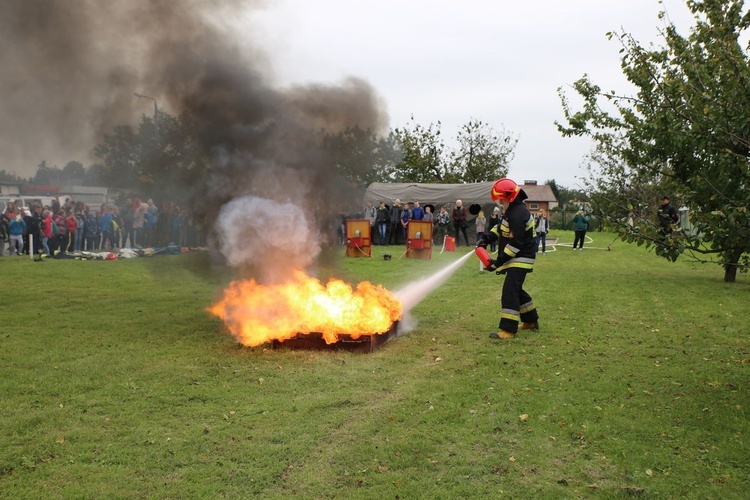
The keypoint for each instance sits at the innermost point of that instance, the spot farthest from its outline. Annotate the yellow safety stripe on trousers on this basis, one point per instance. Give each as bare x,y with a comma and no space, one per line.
529,306
519,262
510,314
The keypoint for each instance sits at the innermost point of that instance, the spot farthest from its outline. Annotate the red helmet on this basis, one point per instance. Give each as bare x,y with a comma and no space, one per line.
505,189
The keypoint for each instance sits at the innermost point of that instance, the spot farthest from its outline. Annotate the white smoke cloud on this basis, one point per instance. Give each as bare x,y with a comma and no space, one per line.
267,236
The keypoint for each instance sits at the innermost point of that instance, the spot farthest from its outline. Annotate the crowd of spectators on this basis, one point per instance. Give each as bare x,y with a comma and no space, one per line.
389,223
75,227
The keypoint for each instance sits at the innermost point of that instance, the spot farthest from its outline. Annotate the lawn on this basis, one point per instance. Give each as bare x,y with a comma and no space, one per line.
116,383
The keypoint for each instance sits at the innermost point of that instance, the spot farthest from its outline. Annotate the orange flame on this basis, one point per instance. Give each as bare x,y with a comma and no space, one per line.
257,314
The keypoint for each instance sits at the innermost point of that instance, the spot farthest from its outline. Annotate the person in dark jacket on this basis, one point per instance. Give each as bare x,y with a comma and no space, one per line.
381,217
667,216
493,221
516,240
459,221
395,219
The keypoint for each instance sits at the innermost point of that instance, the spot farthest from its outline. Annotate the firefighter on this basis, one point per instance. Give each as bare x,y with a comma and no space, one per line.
516,240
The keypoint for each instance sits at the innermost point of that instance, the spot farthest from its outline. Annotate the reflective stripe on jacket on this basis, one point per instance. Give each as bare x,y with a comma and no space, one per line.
516,238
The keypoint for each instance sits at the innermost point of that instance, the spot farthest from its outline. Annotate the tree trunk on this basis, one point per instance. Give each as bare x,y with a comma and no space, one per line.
730,268
730,273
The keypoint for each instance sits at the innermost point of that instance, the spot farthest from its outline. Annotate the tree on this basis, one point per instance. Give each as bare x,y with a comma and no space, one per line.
9,177
422,159
565,196
160,159
73,171
95,175
46,175
361,157
483,154
686,132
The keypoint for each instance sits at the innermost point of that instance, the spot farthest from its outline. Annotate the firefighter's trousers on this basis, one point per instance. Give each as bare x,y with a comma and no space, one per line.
517,305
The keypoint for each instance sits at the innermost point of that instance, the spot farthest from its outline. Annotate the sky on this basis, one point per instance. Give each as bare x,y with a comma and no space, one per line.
497,61
72,67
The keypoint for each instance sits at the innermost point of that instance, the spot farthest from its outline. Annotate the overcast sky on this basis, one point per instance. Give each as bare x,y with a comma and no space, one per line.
497,61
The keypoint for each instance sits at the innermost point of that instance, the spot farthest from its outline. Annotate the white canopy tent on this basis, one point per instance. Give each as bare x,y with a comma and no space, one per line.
434,194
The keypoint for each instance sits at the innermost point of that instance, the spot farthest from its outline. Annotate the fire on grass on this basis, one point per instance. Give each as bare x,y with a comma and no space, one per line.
256,314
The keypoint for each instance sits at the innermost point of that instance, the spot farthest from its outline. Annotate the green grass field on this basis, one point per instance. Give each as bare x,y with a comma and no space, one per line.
115,383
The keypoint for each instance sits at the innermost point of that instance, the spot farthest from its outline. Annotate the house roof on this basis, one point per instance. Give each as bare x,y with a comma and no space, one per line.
539,192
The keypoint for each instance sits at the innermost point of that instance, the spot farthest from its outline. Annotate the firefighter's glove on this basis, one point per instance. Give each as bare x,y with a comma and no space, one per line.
482,241
492,265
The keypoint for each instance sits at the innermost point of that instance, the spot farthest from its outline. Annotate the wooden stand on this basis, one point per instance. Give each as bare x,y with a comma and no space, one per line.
358,238
419,239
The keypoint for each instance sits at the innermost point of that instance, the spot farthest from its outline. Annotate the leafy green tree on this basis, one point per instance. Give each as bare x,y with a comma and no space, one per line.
73,171
46,175
483,154
9,177
685,133
568,198
423,151
361,157
160,158
95,175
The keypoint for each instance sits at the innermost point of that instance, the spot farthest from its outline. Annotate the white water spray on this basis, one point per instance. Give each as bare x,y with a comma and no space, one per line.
413,293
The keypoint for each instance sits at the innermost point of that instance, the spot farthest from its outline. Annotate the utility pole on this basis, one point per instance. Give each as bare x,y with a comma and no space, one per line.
156,107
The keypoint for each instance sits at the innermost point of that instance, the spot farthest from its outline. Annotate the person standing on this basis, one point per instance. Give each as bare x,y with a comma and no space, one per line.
139,219
16,229
493,221
417,212
72,226
91,230
105,228
542,228
3,236
47,233
80,235
381,217
405,218
516,239
459,221
61,238
126,212
371,214
667,216
395,220
442,221
580,226
115,232
5,220
34,224
480,223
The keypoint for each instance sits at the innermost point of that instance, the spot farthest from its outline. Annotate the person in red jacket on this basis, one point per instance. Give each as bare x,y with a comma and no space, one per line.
46,230
71,225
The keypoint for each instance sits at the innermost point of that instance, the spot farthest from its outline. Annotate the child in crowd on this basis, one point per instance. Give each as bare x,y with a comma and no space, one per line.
16,229
3,236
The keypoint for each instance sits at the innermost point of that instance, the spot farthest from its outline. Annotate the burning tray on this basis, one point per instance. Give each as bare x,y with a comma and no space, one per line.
314,342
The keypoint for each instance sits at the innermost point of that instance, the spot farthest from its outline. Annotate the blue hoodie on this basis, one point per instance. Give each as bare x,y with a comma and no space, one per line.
16,227
105,222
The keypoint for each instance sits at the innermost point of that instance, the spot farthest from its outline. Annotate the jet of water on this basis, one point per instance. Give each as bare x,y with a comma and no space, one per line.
413,293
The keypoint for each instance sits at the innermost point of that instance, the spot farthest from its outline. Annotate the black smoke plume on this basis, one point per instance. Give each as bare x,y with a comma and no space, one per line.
71,67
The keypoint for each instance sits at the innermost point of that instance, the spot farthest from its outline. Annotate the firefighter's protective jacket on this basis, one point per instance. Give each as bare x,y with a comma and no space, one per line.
516,237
